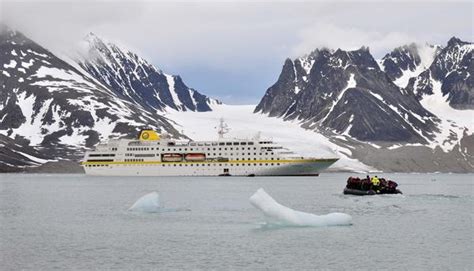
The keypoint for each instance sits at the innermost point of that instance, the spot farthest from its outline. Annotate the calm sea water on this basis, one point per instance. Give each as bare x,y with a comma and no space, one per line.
81,222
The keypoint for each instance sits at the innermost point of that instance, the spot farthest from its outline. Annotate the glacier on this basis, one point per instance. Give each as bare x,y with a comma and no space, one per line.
277,214
288,133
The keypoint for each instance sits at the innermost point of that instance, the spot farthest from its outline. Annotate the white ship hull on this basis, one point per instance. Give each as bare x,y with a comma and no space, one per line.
235,168
152,156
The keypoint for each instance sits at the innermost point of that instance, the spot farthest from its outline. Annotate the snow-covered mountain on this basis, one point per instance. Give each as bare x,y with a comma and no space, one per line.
408,61
451,70
347,93
364,105
133,79
51,105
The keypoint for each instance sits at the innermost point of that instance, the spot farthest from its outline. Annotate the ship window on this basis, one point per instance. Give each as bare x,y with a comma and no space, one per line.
220,148
228,143
243,143
231,149
220,154
180,165
208,149
236,143
255,159
266,164
250,143
200,144
260,164
272,158
249,153
225,149
237,159
278,164
221,144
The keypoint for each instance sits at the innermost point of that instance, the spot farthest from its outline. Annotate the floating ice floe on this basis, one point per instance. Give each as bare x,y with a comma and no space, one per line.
277,214
150,203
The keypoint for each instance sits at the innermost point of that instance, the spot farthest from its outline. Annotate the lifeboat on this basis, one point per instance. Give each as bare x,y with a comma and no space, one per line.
171,157
364,187
195,157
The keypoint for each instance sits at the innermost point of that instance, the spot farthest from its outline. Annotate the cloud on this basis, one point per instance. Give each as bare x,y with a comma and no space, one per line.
332,36
236,48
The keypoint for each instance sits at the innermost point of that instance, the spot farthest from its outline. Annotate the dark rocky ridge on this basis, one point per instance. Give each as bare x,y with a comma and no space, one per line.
372,108
401,59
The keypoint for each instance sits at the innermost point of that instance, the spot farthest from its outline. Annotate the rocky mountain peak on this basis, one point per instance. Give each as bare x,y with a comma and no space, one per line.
137,80
450,74
453,41
341,91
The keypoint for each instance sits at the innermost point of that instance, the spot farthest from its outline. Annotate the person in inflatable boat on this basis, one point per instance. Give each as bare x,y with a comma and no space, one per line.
375,183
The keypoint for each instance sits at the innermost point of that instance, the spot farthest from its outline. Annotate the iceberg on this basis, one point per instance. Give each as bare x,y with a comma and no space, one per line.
149,203
278,214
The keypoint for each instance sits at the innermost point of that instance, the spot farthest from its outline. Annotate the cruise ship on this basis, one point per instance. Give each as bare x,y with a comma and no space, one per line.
151,154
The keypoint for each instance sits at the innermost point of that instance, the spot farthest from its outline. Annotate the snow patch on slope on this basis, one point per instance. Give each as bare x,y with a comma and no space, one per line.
60,74
351,83
452,120
174,95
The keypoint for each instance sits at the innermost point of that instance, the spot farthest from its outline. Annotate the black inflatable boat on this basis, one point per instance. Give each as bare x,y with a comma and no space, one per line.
364,187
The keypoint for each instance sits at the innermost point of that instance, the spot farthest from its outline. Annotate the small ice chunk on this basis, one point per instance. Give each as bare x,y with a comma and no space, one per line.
150,203
284,216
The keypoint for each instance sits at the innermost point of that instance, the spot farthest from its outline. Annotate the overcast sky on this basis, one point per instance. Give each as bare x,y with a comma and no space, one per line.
234,50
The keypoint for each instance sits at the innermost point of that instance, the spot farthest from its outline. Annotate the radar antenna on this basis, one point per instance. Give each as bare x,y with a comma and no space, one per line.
222,128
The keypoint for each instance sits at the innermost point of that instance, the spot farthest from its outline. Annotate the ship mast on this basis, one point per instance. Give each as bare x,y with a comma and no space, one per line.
222,128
